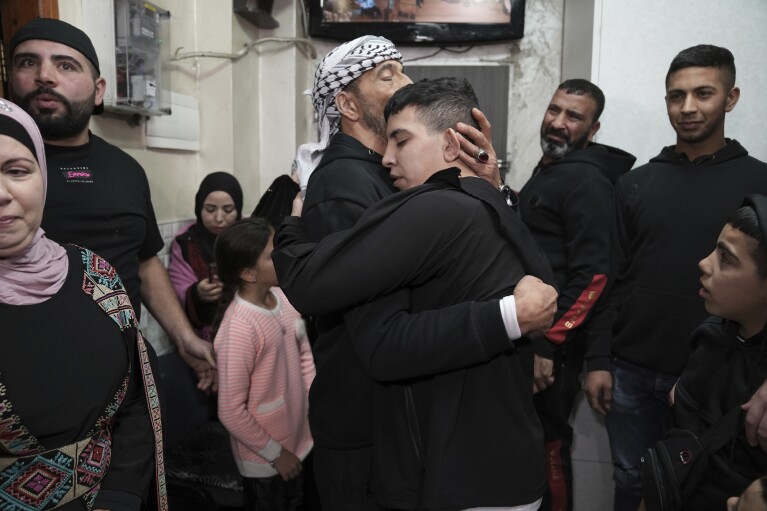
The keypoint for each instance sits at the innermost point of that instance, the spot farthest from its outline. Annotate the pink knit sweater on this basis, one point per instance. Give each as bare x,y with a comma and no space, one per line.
265,368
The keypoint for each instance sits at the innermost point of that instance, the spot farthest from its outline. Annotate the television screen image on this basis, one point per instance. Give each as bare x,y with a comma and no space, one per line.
418,22
425,11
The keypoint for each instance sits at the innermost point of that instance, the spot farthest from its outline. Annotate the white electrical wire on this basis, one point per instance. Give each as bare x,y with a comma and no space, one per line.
303,44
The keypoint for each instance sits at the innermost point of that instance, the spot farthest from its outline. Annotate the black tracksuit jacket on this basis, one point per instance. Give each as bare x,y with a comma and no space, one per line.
568,207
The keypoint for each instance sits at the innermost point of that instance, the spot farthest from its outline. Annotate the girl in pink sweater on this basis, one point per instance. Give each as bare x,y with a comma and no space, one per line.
265,368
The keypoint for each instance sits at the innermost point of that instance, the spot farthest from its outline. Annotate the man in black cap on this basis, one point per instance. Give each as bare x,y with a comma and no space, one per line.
98,196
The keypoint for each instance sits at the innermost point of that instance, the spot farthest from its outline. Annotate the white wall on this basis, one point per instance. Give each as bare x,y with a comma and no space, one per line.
634,43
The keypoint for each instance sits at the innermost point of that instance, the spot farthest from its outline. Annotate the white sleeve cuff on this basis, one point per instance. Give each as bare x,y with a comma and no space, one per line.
271,451
509,315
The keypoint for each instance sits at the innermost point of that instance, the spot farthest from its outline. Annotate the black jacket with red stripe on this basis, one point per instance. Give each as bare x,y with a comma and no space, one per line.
568,207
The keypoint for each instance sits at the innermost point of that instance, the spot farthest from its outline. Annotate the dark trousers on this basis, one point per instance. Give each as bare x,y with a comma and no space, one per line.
639,416
272,493
555,406
184,408
343,479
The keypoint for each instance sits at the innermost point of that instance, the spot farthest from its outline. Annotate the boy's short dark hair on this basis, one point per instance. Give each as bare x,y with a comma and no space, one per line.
746,220
441,103
579,87
705,55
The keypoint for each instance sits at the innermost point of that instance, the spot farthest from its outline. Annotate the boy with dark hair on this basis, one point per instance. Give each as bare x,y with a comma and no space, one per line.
423,98
668,213
728,359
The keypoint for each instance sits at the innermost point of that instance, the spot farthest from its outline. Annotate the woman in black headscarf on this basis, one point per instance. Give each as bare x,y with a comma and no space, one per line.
192,269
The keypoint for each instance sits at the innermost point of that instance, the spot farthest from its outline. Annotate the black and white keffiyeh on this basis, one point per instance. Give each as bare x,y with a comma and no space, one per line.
334,72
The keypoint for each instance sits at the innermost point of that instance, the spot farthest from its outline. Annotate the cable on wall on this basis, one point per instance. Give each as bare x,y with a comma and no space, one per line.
304,45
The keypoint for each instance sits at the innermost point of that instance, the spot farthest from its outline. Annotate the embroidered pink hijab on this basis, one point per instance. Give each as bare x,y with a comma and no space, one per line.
39,270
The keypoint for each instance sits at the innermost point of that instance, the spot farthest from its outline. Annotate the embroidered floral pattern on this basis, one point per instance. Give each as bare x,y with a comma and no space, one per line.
103,284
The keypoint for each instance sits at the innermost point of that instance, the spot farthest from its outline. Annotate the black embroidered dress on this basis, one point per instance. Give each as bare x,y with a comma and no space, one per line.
79,414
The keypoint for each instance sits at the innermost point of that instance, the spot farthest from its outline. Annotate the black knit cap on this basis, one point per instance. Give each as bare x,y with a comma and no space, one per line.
50,29
759,204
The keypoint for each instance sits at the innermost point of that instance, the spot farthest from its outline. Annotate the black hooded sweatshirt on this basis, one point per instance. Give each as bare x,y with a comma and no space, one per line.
568,207
723,372
348,180
669,214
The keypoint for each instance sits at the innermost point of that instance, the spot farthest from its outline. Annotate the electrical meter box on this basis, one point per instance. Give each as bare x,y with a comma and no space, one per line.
141,28
132,38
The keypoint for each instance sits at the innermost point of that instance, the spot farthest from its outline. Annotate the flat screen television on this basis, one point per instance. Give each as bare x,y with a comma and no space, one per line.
418,22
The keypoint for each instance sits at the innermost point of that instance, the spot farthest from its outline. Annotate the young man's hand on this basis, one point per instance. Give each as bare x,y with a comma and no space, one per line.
598,388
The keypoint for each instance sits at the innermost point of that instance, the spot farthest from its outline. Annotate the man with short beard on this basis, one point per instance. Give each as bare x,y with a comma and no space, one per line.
567,205
98,196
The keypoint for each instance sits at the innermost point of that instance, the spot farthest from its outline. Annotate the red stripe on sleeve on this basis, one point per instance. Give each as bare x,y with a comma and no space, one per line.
575,316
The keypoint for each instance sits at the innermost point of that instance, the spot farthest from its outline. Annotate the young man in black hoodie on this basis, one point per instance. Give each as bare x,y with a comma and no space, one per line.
668,214
568,206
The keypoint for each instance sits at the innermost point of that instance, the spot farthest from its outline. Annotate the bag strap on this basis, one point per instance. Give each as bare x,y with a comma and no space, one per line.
720,433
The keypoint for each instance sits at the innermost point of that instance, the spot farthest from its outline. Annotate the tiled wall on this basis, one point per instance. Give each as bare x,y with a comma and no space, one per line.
149,326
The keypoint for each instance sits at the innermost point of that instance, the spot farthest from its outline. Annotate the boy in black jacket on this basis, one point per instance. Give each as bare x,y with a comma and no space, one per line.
728,359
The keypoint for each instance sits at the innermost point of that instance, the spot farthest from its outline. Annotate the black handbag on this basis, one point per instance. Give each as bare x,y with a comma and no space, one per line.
674,468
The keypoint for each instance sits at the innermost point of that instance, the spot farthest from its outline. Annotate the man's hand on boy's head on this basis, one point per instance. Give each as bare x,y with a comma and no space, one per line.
756,418
487,169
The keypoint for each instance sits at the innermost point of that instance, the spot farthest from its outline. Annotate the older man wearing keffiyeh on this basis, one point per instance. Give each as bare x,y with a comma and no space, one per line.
335,72
342,175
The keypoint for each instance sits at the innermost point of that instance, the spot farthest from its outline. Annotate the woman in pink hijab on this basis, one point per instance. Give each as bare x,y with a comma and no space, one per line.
79,414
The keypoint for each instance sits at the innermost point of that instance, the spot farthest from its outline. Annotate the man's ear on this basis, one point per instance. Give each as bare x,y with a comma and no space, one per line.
101,87
593,130
452,145
347,106
732,99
